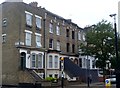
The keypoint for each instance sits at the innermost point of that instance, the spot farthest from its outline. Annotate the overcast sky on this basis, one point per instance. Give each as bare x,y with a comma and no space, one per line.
82,12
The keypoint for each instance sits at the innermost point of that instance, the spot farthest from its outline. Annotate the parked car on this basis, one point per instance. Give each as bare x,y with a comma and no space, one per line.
112,79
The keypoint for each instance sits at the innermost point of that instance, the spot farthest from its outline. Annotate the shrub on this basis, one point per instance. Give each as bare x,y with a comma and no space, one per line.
51,79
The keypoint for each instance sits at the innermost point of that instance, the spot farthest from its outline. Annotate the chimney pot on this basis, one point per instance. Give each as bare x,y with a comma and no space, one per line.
34,4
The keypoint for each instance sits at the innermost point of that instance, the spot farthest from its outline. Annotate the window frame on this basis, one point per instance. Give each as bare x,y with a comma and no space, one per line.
51,43
56,75
73,48
28,18
56,62
57,30
50,75
67,32
67,47
33,60
3,38
40,60
50,62
28,40
38,24
79,35
38,40
93,63
37,61
51,27
73,34
58,45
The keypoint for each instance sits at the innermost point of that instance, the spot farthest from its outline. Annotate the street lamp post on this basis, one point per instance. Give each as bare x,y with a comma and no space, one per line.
117,69
62,75
88,75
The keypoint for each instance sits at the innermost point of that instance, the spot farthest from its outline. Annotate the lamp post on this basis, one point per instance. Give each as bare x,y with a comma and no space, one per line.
117,69
62,75
88,73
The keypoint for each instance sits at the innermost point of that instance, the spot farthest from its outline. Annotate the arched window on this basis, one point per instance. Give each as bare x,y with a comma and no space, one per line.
71,59
76,61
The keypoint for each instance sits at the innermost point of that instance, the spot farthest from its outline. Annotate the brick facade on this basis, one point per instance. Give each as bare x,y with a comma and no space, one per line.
14,45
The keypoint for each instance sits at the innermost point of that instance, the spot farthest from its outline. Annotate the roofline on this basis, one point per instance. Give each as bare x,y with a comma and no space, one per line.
55,15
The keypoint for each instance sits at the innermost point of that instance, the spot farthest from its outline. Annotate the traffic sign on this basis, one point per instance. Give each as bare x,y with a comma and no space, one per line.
107,83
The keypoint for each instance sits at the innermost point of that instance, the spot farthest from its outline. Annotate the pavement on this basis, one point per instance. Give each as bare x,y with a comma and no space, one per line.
93,85
80,85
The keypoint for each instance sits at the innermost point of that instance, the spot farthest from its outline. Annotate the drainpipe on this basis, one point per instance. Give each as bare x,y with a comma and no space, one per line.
45,56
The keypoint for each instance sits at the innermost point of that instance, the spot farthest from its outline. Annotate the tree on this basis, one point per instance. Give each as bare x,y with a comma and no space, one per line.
113,60
99,43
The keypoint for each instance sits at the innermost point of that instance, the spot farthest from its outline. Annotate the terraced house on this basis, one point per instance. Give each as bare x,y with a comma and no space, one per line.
34,39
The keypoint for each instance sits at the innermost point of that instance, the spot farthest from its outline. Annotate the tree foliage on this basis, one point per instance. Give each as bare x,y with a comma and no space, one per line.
99,43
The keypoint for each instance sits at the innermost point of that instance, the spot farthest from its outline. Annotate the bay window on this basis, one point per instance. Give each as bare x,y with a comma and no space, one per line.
40,61
33,61
50,61
56,60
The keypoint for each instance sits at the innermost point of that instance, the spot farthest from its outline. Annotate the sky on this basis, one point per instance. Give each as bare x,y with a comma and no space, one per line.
81,12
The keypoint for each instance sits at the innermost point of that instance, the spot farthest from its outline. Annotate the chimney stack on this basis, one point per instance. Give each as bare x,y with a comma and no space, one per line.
34,4
69,20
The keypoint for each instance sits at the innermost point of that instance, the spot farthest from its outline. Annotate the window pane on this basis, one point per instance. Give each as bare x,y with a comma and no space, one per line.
38,22
79,36
80,62
67,47
33,60
83,37
50,75
73,48
51,28
84,62
67,32
56,75
28,39
40,61
93,64
51,43
57,30
73,35
28,19
58,45
38,41
50,62
3,38
56,61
